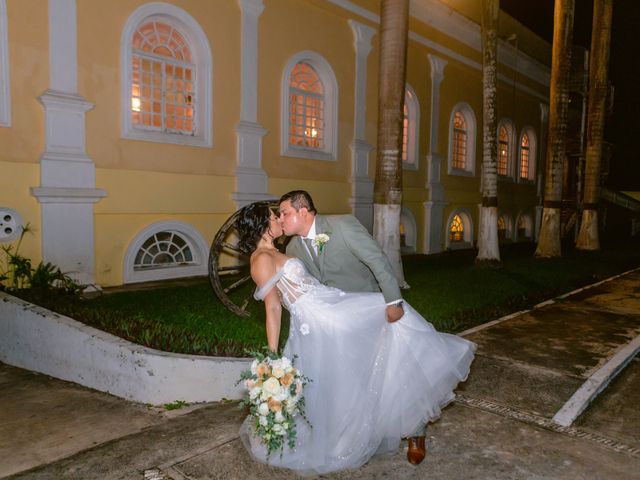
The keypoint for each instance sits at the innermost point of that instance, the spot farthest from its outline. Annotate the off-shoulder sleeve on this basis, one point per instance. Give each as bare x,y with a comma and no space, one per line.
263,291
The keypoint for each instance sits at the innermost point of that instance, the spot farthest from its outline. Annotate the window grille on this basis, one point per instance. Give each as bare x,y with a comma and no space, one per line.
456,230
503,152
459,141
306,107
524,156
162,80
163,250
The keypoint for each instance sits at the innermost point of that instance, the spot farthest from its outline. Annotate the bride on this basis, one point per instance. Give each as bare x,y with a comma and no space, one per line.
373,382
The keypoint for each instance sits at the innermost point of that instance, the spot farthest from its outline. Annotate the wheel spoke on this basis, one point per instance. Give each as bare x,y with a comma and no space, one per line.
230,247
236,268
245,304
237,284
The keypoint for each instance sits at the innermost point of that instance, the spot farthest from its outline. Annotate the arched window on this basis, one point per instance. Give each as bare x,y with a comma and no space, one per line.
506,143
526,168
410,129
306,107
309,110
166,67
163,96
462,134
456,229
5,96
504,227
165,250
524,227
503,151
459,230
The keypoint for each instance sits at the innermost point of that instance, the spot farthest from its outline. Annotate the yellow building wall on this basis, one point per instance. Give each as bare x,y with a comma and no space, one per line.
141,198
16,178
23,142
286,28
100,25
148,182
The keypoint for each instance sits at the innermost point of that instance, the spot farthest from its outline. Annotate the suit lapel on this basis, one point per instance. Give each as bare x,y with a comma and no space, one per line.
301,252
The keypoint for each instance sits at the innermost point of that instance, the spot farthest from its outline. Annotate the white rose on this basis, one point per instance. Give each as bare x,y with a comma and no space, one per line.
263,409
285,363
279,417
254,366
263,421
278,372
272,387
278,430
255,393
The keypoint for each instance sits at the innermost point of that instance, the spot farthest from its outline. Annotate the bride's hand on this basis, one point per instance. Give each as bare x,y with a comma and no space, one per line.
394,313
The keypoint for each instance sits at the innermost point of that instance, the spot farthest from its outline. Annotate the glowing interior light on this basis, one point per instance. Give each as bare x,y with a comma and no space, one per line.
135,104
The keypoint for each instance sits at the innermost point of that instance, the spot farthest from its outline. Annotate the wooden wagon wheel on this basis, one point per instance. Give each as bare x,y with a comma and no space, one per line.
229,268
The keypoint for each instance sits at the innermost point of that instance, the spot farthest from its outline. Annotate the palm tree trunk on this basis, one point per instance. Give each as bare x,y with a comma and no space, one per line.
549,239
394,25
488,249
588,238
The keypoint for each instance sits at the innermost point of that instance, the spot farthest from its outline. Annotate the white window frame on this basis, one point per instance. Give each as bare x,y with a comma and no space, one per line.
470,120
533,152
5,90
201,53
199,249
467,223
413,133
511,152
330,86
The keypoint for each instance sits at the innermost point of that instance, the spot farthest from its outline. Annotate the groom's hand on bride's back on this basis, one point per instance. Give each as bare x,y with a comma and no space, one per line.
394,312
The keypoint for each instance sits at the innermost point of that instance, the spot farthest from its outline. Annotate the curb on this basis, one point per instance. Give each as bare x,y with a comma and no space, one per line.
36,339
551,301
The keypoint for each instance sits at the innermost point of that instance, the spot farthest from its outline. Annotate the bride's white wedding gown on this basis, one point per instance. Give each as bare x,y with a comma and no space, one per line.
373,382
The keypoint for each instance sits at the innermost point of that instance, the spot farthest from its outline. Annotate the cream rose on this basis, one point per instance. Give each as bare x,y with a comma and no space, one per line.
263,409
272,387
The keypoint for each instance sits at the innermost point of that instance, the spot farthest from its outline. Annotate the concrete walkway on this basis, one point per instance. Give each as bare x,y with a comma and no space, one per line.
527,368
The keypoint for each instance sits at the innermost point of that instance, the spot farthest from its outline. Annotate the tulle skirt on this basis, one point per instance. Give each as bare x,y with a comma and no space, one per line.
373,382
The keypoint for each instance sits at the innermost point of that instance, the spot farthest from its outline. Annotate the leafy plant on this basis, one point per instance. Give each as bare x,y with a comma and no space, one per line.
17,273
178,404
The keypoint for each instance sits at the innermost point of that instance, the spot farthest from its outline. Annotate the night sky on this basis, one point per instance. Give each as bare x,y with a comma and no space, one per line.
623,127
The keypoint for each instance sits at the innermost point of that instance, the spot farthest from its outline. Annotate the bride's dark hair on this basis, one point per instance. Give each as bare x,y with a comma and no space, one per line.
251,224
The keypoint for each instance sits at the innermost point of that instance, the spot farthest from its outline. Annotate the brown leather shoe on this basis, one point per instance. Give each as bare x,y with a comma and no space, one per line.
417,450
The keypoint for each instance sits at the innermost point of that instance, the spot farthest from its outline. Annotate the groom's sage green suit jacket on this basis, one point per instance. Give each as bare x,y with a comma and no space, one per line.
351,260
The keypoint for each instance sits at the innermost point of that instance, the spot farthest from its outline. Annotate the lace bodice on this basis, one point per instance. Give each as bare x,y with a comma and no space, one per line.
292,281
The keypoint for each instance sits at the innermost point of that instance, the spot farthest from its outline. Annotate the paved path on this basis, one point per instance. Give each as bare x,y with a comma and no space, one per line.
501,427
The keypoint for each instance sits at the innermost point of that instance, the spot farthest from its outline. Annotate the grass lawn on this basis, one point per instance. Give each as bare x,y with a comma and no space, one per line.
448,289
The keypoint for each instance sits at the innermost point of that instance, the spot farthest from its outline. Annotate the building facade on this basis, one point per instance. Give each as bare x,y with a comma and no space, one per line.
131,130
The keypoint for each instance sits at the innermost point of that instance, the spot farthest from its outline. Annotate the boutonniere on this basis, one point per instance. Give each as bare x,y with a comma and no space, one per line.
320,241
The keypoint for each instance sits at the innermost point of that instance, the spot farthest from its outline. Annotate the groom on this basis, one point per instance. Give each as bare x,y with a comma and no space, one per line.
339,252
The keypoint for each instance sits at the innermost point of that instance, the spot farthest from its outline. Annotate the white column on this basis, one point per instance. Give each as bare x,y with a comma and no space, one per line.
434,207
67,175
361,185
251,180
541,161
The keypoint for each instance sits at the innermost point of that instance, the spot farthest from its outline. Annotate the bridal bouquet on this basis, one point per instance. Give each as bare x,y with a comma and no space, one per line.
274,398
